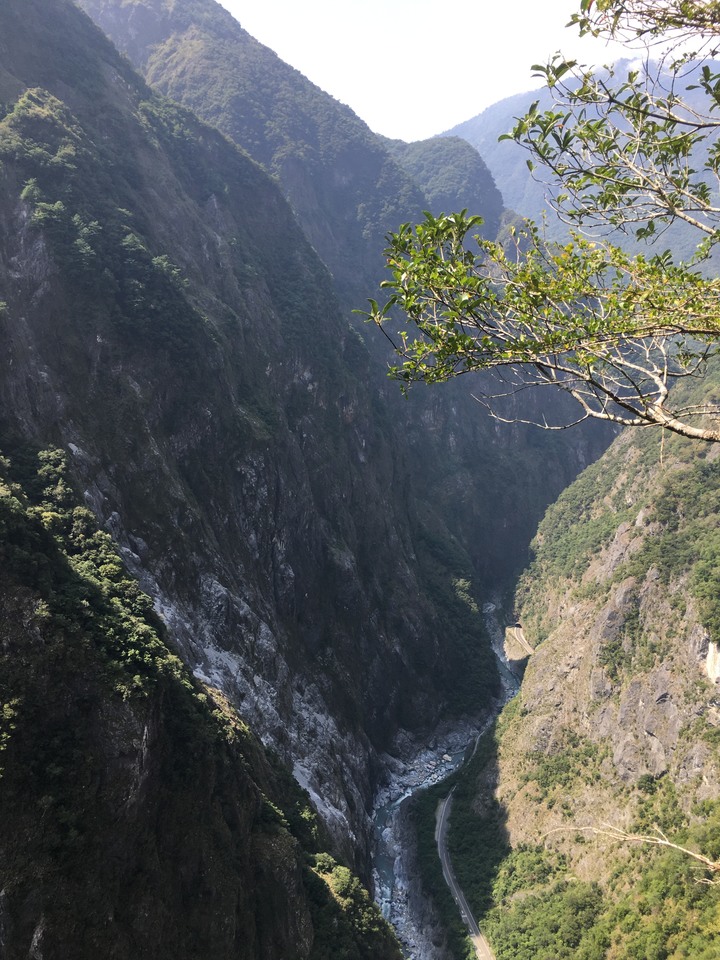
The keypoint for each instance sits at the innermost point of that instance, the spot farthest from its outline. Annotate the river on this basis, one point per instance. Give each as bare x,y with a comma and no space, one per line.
397,888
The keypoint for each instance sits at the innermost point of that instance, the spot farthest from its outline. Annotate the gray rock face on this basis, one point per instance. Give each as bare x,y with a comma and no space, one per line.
649,726
620,693
244,474
640,719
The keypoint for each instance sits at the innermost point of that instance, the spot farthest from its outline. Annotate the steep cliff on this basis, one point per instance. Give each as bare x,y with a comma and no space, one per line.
614,731
484,484
138,816
165,321
339,179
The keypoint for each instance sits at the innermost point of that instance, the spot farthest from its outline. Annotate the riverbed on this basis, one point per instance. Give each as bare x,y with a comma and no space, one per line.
397,889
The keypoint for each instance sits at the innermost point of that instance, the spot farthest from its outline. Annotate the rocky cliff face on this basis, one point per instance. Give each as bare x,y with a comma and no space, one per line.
615,727
628,635
140,817
483,484
165,321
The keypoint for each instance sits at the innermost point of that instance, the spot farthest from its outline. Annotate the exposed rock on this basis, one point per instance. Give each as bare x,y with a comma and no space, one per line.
712,663
624,678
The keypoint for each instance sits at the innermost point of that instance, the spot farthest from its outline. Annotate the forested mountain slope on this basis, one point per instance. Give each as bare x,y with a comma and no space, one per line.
532,194
138,816
615,729
166,323
341,182
486,484
505,160
449,171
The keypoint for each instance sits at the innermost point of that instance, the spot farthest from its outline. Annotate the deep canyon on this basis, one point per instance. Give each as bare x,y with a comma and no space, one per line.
243,577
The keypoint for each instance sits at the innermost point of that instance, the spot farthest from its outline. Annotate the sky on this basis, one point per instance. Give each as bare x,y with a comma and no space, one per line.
415,68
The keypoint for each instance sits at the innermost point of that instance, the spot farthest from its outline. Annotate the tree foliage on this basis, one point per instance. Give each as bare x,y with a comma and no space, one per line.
614,326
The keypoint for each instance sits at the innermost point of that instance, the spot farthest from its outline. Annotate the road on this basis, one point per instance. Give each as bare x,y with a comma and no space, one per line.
441,823
516,634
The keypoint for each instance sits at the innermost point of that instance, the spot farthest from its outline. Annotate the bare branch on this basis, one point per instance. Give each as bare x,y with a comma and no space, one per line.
658,839
613,330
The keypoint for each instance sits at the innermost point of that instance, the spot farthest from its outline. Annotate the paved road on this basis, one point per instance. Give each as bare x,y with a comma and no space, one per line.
516,634
441,822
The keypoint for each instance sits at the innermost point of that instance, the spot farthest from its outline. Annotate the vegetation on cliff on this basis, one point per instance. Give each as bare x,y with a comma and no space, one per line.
190,310
167,326
448,170
340,180
615,725
348,188
136,807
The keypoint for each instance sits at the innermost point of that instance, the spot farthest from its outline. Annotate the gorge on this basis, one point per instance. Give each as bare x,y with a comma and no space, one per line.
243,577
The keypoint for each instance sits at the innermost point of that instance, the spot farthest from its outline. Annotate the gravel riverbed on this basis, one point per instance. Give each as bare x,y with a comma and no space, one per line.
413,767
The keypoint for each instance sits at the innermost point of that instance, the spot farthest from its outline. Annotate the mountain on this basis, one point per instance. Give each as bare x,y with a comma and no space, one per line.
340,181
348,191
530,194
614,733
448,171
166,325
230,551
505,159
140,816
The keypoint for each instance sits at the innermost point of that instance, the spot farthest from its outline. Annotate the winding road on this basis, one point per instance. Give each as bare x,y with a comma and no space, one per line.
516,633
441,823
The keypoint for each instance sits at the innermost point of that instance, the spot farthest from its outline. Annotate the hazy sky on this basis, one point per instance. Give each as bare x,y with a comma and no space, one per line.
413,68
